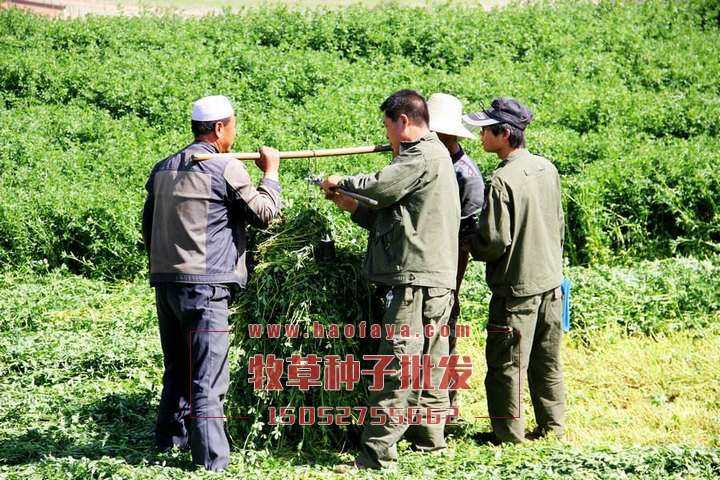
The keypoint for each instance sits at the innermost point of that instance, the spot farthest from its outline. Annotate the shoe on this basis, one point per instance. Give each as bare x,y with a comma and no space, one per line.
345,468
536,434
486,438
438,451
349,468
542,433
183,447
458,428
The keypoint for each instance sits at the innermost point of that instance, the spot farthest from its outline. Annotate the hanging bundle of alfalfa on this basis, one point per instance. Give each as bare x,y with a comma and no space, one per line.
307,287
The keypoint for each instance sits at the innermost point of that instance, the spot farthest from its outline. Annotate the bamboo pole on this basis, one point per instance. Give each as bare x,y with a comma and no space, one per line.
327,152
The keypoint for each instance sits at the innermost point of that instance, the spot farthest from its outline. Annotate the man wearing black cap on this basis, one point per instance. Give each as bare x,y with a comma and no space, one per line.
520,236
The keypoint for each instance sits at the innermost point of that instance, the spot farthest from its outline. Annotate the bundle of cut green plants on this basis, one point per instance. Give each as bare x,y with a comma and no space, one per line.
305,289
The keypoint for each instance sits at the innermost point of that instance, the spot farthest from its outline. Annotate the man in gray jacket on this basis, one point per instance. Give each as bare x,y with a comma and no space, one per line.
194,223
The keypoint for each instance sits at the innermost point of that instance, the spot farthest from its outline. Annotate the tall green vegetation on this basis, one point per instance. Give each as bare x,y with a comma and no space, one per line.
627,97
627,102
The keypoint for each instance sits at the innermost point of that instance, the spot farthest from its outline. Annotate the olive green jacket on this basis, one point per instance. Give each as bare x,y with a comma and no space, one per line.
521,230
414,228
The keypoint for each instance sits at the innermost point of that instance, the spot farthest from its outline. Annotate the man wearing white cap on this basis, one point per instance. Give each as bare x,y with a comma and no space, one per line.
446,120
194,223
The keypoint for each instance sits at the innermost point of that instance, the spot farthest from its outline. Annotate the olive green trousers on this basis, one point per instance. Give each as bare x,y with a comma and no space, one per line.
523,341
417,308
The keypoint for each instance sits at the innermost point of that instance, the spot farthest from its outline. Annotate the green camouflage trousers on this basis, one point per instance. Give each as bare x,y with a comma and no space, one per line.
523,341
416,307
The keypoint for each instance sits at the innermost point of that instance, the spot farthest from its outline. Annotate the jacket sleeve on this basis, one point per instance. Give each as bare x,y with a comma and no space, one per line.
258,205
493,236
392,183
148,212
364,216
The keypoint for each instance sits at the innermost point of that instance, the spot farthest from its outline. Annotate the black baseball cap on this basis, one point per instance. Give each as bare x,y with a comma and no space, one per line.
502,110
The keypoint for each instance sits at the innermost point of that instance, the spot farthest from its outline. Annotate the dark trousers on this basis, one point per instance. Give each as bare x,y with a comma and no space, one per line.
463,258
193,332
523,341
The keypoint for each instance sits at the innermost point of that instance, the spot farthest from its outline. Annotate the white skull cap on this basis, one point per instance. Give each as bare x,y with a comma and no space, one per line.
214,107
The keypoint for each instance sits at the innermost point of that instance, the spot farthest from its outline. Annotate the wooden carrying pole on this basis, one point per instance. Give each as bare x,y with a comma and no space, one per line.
327,152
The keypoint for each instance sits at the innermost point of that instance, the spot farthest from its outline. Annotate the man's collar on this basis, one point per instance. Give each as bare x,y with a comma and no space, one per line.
429,136
517,153
204,146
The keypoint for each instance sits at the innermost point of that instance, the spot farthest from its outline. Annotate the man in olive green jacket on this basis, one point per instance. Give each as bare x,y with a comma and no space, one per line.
520,236
412,253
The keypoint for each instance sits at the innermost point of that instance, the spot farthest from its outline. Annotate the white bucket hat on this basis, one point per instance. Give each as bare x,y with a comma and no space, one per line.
446,115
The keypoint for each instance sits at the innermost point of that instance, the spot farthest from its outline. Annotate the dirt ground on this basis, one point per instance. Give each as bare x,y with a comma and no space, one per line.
79,8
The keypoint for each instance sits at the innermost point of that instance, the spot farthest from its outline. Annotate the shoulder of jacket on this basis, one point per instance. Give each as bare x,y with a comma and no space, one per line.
413,153
505,173
467,167
232,170
498,180
184,152
229,164
436,151
169,160
538,163
520,168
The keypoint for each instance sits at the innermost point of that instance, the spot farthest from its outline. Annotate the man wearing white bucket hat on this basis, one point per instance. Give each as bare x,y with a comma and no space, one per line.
446,120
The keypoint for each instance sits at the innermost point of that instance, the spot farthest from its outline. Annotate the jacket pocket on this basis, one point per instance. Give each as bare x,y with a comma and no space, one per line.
520,305
406,347
219,293
438,302
388,243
